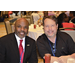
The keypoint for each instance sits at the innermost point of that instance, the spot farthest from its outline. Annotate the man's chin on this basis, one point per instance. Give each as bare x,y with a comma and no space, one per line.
50,36
21,36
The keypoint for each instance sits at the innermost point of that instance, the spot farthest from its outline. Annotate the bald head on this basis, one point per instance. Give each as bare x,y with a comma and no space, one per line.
21,20
21,27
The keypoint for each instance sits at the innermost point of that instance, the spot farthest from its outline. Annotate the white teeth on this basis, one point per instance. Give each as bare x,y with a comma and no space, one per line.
21,33
50,31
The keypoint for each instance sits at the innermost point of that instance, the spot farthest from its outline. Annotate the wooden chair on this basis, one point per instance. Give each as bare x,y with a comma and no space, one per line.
29,19
66,28
8,27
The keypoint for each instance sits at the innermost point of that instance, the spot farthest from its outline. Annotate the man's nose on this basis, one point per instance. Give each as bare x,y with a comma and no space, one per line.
22,29
50,27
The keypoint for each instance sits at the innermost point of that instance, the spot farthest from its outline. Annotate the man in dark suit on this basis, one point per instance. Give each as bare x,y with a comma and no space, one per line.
10,45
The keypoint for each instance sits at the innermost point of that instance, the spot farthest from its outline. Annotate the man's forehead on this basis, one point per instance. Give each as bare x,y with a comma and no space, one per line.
48,20
21,20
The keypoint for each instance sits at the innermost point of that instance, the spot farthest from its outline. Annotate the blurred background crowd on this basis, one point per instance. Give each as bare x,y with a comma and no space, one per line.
37,16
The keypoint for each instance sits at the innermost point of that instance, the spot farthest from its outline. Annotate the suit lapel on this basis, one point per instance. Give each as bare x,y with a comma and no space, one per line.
27,46
15,46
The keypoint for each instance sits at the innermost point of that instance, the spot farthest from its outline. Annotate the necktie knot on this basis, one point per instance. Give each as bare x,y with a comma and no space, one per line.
21,41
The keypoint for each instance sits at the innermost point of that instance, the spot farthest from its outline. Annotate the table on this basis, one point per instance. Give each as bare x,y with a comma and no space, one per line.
35,33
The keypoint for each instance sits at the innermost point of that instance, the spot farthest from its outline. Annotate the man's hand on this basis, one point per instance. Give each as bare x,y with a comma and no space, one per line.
54,59
63,59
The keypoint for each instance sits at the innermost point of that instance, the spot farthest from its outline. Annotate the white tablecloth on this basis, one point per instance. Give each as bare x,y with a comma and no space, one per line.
35,33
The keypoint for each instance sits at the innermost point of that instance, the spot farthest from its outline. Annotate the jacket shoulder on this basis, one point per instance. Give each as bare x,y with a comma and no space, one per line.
7,37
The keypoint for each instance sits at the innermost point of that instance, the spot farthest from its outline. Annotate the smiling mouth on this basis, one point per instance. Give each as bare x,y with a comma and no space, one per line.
22,33
50,32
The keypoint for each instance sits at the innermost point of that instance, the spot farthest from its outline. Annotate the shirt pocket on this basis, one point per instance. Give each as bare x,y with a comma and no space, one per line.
64,50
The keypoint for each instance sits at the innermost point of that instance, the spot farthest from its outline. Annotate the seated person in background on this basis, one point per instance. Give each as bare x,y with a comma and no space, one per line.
60,19
63,22
18,47
72,15
59,44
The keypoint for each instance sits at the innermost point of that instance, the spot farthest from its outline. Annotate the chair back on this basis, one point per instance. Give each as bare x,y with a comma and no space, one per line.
68,25
8,27
28,18
71,33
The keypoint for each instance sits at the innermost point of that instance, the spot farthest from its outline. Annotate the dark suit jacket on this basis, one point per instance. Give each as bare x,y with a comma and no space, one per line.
9,51
64,45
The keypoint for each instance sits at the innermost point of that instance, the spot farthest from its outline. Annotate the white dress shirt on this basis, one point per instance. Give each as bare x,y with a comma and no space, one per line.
18,41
